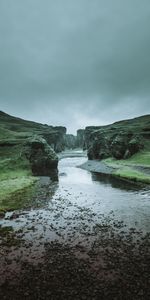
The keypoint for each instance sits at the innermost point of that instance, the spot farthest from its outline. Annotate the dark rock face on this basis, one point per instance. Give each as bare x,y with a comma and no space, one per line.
124,147
41,156
73,141
80,138
119,140
55,137
70,141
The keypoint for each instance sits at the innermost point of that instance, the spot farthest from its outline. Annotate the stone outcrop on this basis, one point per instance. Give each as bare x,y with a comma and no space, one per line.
119,140
42,158
80,138
56,138
38,144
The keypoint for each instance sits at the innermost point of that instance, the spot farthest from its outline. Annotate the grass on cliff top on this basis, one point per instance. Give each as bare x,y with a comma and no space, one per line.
141,158
132,168
16,180
13,128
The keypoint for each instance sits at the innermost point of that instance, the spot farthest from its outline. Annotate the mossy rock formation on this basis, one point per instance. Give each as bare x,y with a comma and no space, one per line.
29,146
120,140
42,158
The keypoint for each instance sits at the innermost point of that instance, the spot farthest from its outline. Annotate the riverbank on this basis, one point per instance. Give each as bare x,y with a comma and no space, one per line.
16,180
135,169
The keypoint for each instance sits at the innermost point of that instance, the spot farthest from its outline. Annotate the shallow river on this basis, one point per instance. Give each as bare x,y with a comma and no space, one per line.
102,194
80,199
103,222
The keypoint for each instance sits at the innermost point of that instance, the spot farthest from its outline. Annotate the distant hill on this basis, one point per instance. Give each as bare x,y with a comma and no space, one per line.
16,130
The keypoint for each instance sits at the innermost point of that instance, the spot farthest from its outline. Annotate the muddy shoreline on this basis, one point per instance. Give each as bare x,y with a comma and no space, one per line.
101,167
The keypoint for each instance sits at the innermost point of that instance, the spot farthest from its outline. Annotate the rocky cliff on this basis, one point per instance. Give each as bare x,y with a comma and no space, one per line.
37,141
70,141
77,141
42,158
119,140
80,138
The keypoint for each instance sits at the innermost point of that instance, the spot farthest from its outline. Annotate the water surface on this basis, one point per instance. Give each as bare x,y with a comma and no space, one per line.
103,194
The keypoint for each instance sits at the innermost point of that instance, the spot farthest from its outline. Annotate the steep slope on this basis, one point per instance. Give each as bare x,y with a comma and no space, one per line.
26,148
119,140
124,146
14,130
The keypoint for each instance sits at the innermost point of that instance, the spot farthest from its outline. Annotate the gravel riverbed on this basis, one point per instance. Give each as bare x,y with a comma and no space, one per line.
68,248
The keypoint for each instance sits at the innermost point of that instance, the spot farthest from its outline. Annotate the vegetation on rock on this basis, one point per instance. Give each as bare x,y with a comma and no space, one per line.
26,149
124,145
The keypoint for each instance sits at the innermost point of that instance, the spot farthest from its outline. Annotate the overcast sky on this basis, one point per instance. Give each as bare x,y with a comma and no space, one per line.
75,62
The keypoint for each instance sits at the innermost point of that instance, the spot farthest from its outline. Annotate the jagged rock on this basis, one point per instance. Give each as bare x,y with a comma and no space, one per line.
56,138
123,146
42,158
119,140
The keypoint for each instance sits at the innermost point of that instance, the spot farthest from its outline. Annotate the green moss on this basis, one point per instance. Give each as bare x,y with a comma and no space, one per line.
129,173
141,159
132,168
16,181
16,192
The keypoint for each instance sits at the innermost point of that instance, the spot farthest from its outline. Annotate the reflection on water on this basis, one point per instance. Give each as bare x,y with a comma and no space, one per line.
115,182
68,211
86,216
80,196
104,194
74,175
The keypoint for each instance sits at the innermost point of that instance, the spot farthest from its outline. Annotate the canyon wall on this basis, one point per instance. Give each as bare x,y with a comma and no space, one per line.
31,144
119,140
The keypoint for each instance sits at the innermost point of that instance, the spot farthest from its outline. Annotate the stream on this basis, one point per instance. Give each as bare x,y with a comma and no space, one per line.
85,211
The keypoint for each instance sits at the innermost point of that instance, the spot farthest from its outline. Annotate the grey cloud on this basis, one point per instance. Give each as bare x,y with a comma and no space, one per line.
75,63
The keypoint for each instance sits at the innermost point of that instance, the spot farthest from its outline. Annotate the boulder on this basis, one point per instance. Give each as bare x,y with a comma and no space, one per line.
42,158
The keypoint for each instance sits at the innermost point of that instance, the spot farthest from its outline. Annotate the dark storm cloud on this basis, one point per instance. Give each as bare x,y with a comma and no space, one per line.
75,63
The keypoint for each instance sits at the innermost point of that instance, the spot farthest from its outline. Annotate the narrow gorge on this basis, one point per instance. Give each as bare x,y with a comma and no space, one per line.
74,210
